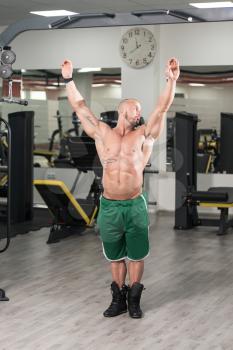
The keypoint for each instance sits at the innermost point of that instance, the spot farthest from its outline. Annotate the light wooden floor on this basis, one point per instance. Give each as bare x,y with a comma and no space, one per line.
58,293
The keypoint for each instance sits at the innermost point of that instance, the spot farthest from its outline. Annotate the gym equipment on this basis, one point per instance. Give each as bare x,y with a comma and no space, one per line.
7,58
97,20
5,174
204,161
20,162
6,71
22,128
57,154
226,145
58,131
76,123
187,196
170,145
109,117
207,150
7,162
72,215
10,98
5,168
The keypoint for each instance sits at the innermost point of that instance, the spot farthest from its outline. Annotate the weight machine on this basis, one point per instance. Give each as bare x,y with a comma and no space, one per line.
187,196
8,201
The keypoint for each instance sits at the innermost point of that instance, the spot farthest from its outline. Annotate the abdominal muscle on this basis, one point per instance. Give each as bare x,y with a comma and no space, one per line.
122,179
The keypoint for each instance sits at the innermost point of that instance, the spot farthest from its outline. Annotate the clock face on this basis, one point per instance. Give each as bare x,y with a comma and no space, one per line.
138,47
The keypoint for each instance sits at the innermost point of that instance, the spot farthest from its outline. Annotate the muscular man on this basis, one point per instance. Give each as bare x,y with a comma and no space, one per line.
124,152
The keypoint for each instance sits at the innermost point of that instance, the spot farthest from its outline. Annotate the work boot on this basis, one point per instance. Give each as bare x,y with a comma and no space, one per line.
134,296
118,305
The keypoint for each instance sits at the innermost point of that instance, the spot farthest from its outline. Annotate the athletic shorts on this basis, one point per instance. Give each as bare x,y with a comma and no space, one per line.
124,226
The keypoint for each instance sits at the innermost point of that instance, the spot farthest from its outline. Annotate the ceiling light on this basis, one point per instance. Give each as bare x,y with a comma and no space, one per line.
51,87
196,84
211,5
98,85
55,13
87,69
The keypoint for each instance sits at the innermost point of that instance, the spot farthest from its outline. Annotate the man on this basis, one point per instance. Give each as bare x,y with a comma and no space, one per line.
124,152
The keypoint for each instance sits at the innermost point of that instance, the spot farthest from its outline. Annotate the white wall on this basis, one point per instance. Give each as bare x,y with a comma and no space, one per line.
193,44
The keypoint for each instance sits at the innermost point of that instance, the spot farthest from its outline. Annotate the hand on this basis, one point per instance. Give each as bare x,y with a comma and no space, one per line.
172,69
137,46
67,69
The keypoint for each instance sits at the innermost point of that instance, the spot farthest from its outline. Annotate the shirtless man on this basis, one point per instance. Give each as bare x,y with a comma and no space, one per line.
124,152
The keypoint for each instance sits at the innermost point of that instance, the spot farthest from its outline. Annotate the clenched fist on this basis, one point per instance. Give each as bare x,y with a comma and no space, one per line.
67,69
172,69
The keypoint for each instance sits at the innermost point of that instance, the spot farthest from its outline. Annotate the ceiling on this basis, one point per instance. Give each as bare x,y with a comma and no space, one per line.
12,11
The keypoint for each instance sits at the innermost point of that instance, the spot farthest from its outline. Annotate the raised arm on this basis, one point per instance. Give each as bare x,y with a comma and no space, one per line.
89,122
156,120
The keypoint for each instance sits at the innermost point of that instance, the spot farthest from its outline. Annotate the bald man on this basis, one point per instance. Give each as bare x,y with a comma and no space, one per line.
123,217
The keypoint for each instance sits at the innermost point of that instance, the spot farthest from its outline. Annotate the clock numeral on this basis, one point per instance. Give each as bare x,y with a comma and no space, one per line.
150,54
150,39
145,60
137,62
124,55
137,32
152,47
144,33
130,60
122,47
130,34
125,40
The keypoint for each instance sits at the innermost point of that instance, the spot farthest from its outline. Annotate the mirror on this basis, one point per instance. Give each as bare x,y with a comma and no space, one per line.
54,118
206,91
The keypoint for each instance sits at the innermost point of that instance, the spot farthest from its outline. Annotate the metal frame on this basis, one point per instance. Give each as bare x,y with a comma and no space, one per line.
105,19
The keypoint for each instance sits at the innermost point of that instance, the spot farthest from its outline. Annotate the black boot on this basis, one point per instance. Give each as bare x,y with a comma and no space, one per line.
134,296
118,305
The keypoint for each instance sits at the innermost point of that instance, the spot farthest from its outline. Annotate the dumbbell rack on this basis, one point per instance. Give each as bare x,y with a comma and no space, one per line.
6,169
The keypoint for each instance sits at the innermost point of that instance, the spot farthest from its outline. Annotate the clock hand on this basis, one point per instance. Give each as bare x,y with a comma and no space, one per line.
136,48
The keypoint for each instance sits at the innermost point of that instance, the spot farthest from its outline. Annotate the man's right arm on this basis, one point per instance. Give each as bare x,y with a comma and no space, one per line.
88,120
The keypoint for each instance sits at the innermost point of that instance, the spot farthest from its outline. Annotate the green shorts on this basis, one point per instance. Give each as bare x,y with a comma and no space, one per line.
123,226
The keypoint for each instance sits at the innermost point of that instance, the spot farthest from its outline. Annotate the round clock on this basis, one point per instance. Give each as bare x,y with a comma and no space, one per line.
138,47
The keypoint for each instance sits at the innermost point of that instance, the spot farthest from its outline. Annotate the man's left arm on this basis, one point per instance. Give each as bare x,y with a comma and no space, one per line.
155,122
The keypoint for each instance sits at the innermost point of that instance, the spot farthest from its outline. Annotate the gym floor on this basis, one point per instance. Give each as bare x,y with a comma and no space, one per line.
58,293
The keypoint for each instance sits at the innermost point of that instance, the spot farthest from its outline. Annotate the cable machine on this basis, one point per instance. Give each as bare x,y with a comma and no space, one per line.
11,200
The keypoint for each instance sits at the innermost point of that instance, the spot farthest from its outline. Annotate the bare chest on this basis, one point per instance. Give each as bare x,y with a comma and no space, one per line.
128,145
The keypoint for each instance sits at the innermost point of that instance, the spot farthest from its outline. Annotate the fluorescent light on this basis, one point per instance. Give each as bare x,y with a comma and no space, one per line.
60,84
55,13
196,84
23,70
87,69
211,5
51,87
98,85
